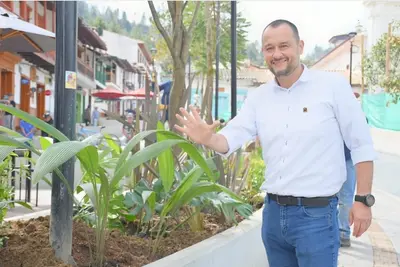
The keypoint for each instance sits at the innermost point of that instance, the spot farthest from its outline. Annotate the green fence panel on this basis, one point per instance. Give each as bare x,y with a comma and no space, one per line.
381,112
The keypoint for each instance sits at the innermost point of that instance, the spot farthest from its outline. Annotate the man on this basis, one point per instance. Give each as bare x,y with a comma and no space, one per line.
27,129
301,119
86,116
96,116
47,118
8,117
127,131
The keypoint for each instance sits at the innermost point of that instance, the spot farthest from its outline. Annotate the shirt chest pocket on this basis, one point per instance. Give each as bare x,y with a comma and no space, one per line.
311,118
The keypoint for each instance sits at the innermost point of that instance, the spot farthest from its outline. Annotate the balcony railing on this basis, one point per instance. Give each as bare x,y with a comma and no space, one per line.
85,70
101,77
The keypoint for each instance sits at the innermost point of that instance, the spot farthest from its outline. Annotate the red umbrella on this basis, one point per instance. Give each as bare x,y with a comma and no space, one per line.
108,93
139,93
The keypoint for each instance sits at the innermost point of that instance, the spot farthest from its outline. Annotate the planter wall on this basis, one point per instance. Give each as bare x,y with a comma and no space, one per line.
239,246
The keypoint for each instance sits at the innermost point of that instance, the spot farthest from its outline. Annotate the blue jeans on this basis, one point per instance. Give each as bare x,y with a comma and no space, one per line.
346,199
301,236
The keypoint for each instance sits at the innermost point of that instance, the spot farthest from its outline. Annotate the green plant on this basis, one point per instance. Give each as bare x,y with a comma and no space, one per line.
375,64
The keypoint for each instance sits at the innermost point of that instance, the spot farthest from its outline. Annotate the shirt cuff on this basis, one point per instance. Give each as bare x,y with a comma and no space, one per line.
363,153
231,143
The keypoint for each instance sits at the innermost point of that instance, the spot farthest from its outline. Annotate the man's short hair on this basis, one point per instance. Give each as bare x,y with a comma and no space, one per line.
279,22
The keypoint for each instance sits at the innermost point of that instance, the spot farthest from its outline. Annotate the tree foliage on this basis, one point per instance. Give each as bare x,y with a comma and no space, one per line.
198,47
116,21
374,65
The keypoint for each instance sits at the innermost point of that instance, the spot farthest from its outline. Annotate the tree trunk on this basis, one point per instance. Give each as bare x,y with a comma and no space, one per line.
207,107
177,92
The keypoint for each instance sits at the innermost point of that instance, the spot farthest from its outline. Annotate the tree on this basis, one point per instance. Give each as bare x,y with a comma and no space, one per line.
178,40
253,52
374,65
317,53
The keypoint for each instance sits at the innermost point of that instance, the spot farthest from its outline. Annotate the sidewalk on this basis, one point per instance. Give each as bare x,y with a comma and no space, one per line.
380,246
386,141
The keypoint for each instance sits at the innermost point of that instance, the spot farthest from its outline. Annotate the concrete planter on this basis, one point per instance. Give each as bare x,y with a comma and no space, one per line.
236,247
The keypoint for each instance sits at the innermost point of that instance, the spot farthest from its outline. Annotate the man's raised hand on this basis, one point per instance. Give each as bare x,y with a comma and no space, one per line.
194,127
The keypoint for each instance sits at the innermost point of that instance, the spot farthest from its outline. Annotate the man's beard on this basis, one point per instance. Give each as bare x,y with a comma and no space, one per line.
286,72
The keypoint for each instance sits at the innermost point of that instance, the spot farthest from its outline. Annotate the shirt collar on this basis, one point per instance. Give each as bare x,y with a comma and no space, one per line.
304,77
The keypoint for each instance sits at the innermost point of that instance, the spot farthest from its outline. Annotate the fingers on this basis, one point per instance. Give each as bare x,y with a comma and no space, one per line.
187,115
360,227
195,113
351,218
181,119
180,129
215,124
356,228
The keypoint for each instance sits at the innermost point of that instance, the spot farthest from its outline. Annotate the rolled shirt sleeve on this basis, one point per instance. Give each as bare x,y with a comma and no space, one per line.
242,128
352,122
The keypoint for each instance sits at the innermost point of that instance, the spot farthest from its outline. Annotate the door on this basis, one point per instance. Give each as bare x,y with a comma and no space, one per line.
25,97
6,83
40,101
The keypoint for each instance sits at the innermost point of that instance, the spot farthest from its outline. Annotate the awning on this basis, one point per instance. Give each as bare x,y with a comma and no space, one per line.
89,37
39,60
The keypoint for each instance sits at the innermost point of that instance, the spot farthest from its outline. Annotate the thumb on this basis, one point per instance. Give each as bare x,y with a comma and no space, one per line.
351,218
215,124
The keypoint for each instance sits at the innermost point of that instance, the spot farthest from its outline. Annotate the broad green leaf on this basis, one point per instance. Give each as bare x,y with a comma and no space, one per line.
55,156
191,150
174,201
89,191
142,156
17,142
9,132
23,204
5,151
116,149
45,142
89,159
149,197
38,123
131,144
165,162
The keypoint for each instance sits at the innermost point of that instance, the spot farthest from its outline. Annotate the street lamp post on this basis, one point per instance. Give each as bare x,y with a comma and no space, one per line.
233,60
65,96
351,36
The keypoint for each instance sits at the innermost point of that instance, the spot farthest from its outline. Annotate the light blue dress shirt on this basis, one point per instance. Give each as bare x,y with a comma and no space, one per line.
301,130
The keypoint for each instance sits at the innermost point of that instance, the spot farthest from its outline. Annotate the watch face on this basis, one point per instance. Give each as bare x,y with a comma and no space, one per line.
370,200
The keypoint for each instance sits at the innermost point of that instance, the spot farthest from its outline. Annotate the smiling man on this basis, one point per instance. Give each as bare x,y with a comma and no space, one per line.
301,119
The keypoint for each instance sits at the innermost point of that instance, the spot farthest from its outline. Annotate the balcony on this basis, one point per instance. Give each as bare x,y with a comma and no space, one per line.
101,77
85,70
100,73
111,78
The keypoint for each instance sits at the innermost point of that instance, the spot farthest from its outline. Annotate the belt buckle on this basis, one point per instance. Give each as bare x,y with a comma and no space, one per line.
279,203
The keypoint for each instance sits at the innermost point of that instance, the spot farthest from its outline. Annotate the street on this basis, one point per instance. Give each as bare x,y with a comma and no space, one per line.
387,169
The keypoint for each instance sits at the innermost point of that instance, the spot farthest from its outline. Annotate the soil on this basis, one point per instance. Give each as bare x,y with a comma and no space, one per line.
28,244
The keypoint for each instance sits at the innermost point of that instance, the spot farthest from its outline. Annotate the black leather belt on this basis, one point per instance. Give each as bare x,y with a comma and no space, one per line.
301,201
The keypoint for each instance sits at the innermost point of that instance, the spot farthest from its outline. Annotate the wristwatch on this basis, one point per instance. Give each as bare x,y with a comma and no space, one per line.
367,200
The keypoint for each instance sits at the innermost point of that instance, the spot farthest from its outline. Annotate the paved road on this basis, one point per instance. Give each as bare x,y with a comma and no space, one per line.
386,174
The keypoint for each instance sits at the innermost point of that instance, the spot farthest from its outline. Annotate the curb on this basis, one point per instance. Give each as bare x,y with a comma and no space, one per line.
29,216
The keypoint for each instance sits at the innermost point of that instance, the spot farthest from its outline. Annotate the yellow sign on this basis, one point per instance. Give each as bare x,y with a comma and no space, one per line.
70,80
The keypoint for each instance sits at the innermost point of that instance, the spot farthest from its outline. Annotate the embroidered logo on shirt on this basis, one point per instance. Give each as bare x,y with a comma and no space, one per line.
305,110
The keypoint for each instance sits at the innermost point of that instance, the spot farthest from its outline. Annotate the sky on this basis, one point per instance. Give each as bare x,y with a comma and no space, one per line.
316,20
